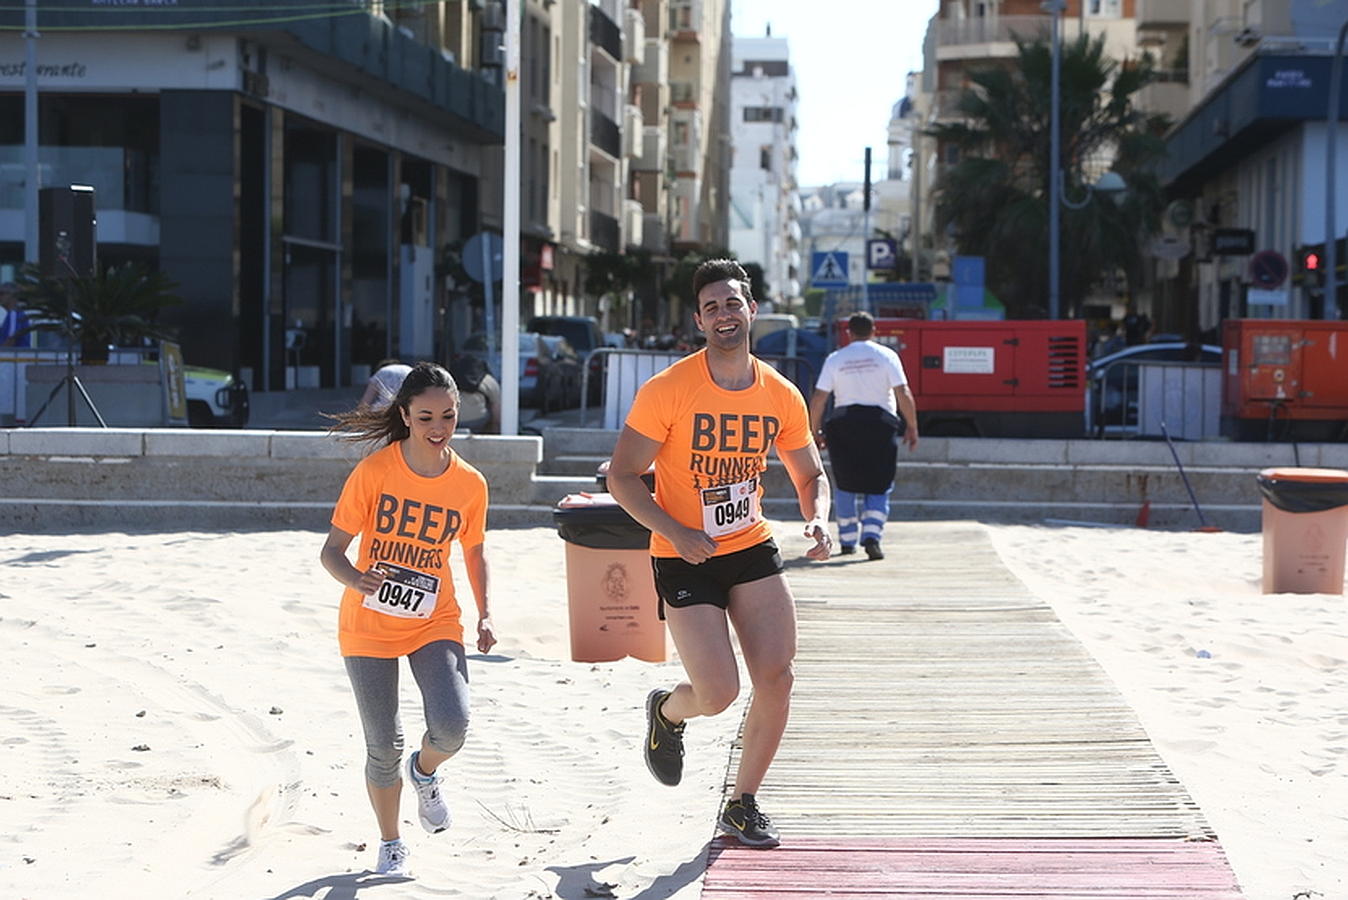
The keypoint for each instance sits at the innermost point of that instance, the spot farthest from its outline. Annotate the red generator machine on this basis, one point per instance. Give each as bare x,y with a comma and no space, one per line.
1285,379
993,379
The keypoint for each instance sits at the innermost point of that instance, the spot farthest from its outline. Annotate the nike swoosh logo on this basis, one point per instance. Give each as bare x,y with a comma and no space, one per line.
655,741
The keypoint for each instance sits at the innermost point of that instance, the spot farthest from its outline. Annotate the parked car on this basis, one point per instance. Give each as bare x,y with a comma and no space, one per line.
215,398
584,335
549,369
1112,382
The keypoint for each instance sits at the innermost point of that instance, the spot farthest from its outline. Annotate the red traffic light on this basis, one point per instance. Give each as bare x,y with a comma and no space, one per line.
1311,262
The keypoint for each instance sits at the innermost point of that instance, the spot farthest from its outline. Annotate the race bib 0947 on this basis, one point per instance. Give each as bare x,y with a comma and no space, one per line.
405,593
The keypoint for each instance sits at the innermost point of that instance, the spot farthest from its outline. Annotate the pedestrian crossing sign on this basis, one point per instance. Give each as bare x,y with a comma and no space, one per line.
830,269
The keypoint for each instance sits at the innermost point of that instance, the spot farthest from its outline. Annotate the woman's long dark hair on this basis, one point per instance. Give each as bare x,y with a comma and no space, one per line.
385,426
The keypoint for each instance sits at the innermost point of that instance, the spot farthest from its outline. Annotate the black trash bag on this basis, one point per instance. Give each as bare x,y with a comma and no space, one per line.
1297,496
607,527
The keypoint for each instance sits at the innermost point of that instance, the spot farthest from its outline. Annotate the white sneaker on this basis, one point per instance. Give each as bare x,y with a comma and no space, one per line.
392,858
431,809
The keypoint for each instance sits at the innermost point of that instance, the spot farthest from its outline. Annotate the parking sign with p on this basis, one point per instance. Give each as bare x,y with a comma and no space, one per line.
881,254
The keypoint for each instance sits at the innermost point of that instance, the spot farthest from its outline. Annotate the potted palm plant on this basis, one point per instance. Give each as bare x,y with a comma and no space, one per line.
118,306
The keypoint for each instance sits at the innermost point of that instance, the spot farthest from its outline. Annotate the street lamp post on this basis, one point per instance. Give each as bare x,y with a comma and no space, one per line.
1055,8
1331,190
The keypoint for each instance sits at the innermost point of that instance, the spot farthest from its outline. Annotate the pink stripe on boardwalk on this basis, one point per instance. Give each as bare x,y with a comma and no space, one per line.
972,869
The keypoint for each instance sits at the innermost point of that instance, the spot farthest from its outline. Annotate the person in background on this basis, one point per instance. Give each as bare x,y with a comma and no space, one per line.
1136,326
479,394
411,500
384,383
15,326
869,389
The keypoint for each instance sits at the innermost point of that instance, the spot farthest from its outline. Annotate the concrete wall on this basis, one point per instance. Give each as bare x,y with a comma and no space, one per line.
59,479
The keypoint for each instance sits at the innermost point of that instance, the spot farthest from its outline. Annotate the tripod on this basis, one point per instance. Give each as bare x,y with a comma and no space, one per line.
70,381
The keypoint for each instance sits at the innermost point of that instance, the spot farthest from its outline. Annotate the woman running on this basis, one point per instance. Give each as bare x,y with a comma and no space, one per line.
409,500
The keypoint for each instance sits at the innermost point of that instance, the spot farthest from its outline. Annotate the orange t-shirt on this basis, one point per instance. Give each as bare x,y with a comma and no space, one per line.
407,522
714,447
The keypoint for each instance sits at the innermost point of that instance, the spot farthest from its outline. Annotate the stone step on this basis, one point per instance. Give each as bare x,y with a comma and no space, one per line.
976,481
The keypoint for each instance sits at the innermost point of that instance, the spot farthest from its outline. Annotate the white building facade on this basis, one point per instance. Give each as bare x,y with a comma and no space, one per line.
764,203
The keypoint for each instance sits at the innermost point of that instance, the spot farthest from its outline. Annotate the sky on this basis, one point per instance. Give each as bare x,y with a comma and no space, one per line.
851,59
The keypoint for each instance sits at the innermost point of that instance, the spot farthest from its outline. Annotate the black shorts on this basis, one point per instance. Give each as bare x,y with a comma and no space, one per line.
681,583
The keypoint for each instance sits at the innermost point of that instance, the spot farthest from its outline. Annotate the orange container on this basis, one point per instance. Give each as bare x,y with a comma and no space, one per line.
1305,529
612,607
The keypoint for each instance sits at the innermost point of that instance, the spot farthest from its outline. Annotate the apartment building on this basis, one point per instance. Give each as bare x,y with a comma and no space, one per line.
293,170
700,59
764,202
628,164
969,34
1250,155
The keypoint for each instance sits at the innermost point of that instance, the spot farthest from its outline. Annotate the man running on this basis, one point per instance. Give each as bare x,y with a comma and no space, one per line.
708,422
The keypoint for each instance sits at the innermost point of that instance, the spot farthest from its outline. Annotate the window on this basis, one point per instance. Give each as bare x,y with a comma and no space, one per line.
762,114
765,157
1104,9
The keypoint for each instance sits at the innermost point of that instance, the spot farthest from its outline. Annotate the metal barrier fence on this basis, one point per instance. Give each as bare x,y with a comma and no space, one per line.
624,371
1132,399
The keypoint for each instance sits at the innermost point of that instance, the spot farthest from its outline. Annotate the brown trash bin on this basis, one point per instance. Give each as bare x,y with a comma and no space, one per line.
612,606
601,475
1305,528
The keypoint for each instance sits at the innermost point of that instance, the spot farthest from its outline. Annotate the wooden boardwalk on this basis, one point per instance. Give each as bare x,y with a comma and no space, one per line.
950,738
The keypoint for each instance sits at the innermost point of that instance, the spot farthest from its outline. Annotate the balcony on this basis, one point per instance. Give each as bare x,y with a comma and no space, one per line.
605,134
652,157
605,34
632,131
685,18
653,234
633,223
1165,96
654,67
635,37
986,37
682,93
604,231
1161,14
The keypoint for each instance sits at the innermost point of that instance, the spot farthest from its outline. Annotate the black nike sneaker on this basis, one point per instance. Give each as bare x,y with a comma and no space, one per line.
664,742
745,822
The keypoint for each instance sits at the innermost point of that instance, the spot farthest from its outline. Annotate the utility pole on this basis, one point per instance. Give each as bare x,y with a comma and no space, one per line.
1331,188
510,263
1055,159
866,236
32,172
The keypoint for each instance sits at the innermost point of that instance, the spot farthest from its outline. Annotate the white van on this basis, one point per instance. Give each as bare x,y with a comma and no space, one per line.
767,323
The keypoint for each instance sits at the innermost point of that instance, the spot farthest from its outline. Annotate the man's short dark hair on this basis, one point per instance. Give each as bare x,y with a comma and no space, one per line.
861,325
714,270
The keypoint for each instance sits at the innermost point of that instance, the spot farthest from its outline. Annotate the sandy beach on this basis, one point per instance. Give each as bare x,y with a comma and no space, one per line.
177,722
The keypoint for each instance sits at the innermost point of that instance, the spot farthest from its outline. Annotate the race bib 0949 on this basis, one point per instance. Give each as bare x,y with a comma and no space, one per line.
730,508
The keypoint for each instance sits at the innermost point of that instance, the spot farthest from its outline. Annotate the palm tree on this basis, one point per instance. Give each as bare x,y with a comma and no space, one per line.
994,201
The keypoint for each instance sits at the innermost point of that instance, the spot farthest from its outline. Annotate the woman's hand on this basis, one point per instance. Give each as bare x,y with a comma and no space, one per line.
486,634
369,581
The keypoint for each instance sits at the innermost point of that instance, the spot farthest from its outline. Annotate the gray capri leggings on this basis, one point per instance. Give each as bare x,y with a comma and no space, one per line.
441,671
